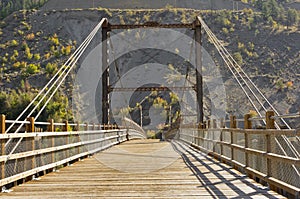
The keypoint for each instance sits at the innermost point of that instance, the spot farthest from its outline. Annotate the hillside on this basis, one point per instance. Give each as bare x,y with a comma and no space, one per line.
35,43
9,6
142,4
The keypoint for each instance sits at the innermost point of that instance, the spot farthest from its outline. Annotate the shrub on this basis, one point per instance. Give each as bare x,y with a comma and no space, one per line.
251,46
24,45
20,32
238,58
26,25
241,46
13,43
51,68
66,50
37,57
23,64
57,53
28,54
30,37
17,64
4,59
13,59
54,40
289,84
47,55
52,49
269,61
253,113
32,69
39,33
225,31
280,84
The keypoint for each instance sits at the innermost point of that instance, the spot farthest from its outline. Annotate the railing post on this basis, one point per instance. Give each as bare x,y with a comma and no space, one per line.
78,136
222,123
208,123
214,123
270,124
77,126
221,136
66,126
247,125
2,131
30,126
233,122
233,126
2,124
65,129
247,121
86,127
51,128
30,129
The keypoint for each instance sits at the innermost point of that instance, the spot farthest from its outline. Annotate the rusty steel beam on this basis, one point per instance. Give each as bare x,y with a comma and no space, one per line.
162,88
105,73
150,25
199,78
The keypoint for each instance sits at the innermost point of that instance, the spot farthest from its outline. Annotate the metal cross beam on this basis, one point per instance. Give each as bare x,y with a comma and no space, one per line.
196,26
161,88
150,25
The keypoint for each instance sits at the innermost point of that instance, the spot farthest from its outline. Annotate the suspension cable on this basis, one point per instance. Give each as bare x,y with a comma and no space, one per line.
217,44
70,59
74,60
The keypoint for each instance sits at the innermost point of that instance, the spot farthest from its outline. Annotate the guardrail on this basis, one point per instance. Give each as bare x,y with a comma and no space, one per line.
32,153
255,152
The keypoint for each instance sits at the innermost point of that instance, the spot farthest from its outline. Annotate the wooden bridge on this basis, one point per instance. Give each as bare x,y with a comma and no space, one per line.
207,159
190,175
69,164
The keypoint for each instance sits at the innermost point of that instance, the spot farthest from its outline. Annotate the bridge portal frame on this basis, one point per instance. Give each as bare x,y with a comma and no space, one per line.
106,89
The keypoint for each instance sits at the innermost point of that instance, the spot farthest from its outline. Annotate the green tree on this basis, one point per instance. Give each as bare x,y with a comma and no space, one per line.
238,58
51,68
32,69
292,17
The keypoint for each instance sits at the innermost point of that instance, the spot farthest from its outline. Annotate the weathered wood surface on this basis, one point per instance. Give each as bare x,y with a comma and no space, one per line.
144,169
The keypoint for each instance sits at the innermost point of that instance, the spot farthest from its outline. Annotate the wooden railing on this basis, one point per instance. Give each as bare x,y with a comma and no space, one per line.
255,152
32,152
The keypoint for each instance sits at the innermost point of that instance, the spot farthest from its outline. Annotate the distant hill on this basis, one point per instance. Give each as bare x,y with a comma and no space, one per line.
142,4
9,6
34,44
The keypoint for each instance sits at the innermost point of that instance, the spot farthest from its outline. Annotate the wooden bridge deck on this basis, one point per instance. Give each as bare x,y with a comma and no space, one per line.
144,169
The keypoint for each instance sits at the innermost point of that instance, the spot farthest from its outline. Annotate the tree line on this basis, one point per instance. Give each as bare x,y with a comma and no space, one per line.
273,10
9,6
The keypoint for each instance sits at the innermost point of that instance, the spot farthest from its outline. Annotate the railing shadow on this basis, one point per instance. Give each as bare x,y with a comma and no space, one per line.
188,152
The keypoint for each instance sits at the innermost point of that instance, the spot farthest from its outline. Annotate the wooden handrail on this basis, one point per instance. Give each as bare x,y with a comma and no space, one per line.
49,149
200,140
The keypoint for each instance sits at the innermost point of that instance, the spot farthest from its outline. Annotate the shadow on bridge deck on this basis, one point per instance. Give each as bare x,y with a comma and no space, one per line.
144,169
